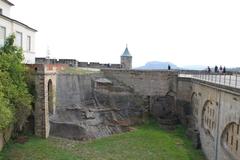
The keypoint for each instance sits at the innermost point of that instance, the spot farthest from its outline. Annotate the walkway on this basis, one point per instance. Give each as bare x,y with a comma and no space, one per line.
232,80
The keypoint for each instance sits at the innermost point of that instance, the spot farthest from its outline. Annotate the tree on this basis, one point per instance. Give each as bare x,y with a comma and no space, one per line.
15,99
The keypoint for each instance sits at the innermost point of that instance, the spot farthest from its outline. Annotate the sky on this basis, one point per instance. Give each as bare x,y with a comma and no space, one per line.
184,32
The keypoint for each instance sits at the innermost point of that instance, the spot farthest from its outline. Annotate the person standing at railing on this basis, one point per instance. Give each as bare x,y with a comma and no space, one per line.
169,67
220,69
209,69
224,69
216,69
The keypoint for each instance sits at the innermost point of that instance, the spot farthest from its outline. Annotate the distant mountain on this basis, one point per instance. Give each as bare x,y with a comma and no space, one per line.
158,65
164,65
236,69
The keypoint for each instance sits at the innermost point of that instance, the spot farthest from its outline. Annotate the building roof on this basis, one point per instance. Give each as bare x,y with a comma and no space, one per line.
126,53
6,1
18,22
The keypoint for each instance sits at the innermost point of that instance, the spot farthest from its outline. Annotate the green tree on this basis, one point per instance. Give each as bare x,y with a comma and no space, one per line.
15,99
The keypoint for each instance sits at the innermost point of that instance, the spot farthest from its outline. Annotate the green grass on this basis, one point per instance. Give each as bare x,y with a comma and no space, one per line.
147,142
81,71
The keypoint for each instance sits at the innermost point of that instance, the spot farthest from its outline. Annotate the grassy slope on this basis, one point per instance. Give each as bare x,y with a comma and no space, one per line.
81,71
147,142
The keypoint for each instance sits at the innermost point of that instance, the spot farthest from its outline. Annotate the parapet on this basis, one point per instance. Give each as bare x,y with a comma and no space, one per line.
46,68
75,63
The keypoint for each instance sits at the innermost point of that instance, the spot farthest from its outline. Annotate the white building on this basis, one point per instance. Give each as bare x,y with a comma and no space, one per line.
25,35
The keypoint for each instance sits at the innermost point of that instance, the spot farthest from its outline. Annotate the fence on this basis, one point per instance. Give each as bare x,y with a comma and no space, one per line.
231,80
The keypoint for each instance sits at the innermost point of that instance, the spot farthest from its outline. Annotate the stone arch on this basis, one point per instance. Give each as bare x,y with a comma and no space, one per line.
50,97
45,86
230,140
208,119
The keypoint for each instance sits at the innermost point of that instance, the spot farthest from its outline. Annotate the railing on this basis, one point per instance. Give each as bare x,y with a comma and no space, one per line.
231,80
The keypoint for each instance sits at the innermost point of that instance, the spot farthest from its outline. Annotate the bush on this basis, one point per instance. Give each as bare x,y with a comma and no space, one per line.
15,99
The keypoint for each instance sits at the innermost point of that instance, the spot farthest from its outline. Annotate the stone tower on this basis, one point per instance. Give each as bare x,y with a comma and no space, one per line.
126,59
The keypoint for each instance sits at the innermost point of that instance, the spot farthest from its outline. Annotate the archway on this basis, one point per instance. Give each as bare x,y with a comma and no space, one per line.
230,140
209,117
50,97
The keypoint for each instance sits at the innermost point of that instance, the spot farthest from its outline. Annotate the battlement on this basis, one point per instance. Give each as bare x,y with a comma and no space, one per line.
46,68
75,63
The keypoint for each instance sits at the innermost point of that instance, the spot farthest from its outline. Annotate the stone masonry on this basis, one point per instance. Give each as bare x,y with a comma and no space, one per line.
210,111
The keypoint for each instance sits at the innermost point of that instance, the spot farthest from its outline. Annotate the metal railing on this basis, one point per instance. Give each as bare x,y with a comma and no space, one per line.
231,80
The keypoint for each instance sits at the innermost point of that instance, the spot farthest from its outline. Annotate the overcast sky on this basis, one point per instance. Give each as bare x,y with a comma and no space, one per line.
204,32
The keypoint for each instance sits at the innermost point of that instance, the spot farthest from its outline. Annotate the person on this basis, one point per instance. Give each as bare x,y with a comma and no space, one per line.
209,69
224,69
169,67
216,69
220,69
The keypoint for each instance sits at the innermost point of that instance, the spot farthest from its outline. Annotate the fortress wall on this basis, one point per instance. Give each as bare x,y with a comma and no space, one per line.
183,100
75,63
73,89
211,109
148,83
215,113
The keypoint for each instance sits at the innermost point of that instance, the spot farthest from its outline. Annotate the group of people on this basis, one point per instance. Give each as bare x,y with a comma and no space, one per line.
218,70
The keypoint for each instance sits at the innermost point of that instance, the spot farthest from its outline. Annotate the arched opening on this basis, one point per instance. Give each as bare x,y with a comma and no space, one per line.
230,140
209,117
50,97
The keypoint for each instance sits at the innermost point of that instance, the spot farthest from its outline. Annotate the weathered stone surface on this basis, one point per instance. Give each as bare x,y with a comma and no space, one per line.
86,111
213,108
90,109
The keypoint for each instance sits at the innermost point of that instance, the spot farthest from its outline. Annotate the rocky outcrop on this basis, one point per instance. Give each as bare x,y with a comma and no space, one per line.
89,106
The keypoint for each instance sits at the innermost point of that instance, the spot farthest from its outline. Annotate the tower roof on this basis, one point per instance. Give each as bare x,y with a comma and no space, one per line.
8,2
126,53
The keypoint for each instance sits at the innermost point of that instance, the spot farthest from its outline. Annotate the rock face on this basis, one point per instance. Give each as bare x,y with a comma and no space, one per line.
87,107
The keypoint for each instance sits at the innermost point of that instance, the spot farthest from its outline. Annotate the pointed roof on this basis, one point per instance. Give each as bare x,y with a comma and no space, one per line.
6,1
126,53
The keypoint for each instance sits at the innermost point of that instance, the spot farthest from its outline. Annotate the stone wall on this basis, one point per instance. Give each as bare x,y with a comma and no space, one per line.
74,89
215,113
45,80
183,100
148,83
211,110
75,63
86,111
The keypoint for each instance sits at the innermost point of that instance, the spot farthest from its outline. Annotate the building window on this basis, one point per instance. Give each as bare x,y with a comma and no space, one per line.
0,10
19,39
28,43
2,35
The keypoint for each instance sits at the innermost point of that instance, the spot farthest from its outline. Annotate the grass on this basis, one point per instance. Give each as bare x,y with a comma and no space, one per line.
147,142
81,71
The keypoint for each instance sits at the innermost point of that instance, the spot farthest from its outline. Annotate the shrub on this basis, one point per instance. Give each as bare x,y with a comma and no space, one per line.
15,99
